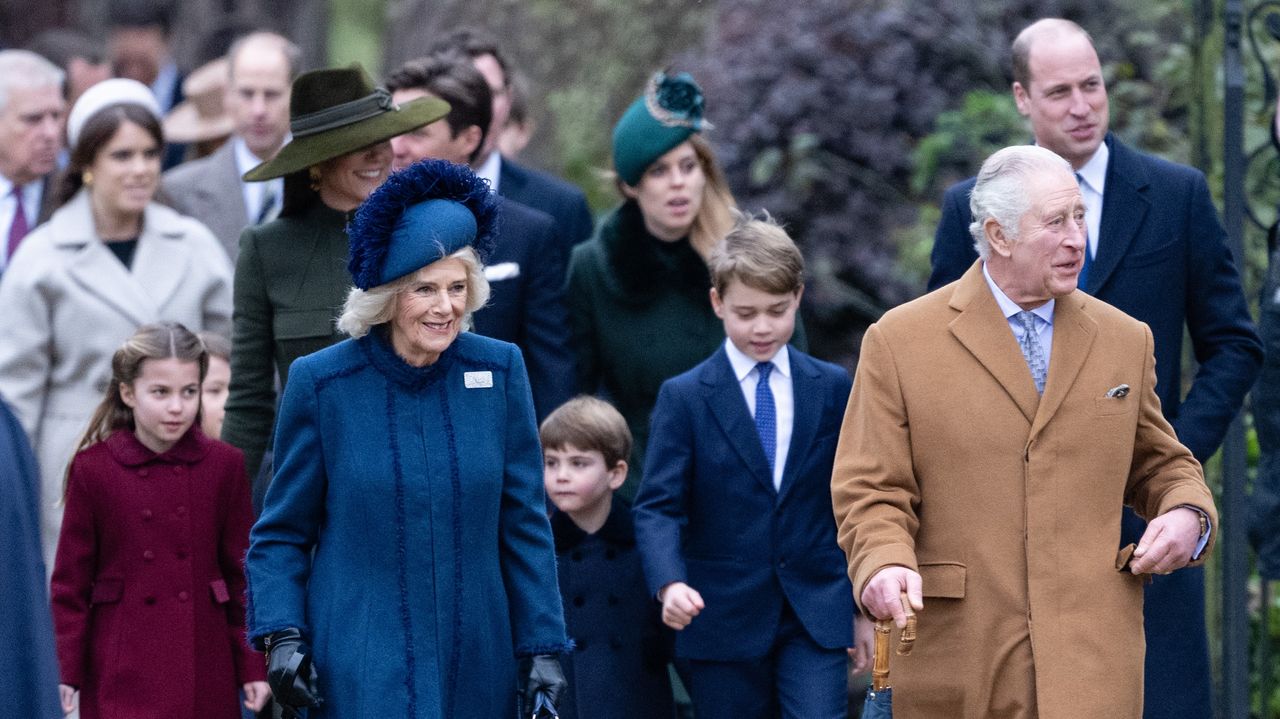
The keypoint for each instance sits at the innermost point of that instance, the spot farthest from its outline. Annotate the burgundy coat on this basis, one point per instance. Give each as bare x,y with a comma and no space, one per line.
148,585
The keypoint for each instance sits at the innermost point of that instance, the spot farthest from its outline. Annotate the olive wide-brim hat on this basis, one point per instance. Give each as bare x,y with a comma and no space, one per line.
339,110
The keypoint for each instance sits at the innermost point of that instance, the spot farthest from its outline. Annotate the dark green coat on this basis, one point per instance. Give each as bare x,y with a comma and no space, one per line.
641,314
291,282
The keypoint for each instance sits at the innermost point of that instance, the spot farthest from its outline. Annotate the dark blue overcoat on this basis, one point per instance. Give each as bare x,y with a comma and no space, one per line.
419,491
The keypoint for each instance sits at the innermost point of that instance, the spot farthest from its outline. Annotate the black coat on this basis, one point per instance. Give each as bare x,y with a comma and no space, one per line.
619,668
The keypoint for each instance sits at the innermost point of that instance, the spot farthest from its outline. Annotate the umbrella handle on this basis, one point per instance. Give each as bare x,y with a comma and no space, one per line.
880,664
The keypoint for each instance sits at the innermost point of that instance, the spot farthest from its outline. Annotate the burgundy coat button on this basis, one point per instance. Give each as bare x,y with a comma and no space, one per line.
146,515
142,473
183,596
149,601
148,555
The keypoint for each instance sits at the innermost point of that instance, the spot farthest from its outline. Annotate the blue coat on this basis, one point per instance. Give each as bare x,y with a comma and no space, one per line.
619,662
707,513
1162,259
419,490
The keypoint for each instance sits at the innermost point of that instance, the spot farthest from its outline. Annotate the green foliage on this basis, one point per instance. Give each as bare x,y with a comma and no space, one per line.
985,122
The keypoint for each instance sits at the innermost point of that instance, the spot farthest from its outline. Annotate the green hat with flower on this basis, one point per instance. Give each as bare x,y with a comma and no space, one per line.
669,111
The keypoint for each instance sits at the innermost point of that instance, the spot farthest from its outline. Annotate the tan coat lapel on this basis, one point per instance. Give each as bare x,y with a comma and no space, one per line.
984,331
1073,334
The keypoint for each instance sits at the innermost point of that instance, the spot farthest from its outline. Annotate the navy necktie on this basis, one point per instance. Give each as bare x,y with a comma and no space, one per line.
1088,256
766,413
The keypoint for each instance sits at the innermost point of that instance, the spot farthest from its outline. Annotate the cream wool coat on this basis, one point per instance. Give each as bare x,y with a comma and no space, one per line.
68,306
1008,503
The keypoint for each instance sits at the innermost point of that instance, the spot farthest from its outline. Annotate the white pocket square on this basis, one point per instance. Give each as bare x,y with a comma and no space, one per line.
502,271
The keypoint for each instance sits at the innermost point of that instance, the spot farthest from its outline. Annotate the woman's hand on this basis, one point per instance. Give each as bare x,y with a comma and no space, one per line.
542,674
256,695
290,671
67,694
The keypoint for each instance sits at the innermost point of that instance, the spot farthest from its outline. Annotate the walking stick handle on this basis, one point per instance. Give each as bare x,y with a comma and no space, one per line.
906,642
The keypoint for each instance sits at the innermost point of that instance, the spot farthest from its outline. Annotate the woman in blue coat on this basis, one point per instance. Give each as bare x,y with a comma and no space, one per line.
403,564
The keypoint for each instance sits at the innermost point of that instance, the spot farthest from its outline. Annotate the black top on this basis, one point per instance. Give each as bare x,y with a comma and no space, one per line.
124,250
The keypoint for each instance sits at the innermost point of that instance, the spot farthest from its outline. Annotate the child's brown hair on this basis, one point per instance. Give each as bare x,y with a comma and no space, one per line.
588,424
758,253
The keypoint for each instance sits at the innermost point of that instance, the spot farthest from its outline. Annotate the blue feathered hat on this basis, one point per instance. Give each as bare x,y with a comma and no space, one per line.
421,214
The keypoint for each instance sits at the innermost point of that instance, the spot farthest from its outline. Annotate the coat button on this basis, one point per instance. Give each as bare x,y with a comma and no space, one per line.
610,553
148,555
142,473
613,601
182,554
177,469
183,596
146,515
149,600
579,601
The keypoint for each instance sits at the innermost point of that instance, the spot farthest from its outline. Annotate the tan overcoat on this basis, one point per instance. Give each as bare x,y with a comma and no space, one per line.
1008,503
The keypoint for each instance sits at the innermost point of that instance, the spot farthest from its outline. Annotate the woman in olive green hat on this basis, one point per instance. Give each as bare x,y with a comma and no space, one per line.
291,275
638,292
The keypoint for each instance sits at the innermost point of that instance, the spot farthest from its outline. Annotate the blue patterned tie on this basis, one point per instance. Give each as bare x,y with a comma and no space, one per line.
766,413
1032,351
1088,256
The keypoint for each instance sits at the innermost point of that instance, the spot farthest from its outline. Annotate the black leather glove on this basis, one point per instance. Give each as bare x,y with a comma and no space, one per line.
542,675
290,672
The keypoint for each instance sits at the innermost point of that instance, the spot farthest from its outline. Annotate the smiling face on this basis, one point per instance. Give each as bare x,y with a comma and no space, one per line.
758,323
346,180
429,312
670,193
165,399
578,481
1045,260
126,173
1066,98
31,133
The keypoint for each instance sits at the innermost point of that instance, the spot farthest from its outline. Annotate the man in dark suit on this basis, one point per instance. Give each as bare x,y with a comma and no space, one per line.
1156,251
262,66
31,116
526,306
539,190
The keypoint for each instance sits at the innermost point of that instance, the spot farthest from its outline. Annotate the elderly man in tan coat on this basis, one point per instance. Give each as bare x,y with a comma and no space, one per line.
995,428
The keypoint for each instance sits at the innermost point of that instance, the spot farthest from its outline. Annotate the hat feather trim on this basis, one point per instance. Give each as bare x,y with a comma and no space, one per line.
369,231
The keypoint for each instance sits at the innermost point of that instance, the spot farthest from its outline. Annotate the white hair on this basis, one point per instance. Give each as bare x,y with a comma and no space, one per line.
1000,193
27,70
364,309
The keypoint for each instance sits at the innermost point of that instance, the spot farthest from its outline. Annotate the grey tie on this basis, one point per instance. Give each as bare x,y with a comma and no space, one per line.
1032,351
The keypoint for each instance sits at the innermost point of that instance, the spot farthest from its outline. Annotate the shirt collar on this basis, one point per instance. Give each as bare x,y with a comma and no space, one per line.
1011,308
742,364
1094,172
491,168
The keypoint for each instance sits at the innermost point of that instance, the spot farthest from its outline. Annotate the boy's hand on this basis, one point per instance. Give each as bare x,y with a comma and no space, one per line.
67,695
256,695
680,604
864,642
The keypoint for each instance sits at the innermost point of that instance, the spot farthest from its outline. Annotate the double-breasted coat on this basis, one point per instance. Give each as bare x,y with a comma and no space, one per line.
1008,503
68,306
405,530
148,588
619,663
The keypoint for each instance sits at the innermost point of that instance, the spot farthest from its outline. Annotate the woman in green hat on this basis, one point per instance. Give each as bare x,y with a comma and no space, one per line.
291,277
638,292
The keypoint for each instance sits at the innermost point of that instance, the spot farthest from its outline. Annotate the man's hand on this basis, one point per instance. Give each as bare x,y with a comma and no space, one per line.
1168,542
680,604
881,595
864,644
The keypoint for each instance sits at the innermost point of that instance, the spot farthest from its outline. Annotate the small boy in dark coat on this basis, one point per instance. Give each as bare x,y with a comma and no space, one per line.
733,516
619,668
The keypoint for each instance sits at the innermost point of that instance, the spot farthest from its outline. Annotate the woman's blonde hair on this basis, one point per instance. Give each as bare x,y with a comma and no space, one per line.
365,309
164,340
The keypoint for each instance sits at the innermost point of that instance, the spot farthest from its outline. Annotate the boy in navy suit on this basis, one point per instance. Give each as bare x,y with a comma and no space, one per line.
733,516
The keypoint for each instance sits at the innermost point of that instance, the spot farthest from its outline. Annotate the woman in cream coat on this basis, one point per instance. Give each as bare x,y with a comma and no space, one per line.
110,259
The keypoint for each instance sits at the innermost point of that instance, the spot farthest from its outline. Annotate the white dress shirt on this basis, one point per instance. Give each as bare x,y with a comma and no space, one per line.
1093,179
1043,314
744,368
32,194
255,192
491,169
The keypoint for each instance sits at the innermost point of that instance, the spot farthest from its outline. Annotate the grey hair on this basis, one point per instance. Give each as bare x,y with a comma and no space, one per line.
1000,193
364,309
26,69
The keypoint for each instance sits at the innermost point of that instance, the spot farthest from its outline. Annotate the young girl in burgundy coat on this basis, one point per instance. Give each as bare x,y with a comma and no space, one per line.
148,583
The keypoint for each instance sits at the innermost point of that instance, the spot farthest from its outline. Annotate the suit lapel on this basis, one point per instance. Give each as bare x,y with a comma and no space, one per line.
807,402
225,196
729,409
162,259
1124,206
984,331
1073,334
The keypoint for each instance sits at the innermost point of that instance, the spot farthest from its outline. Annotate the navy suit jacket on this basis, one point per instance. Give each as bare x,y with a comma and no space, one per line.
564,202
526,304
707,513
1162,258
